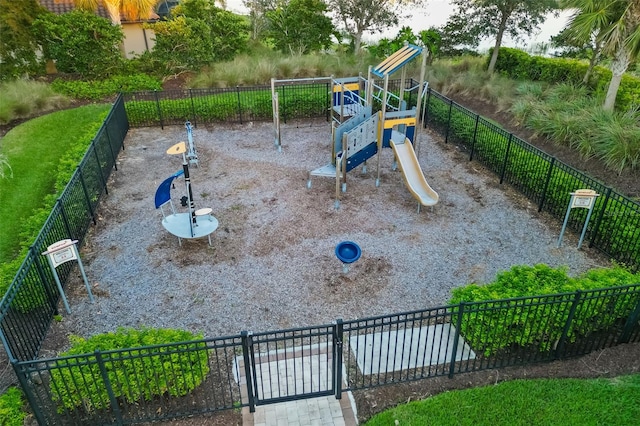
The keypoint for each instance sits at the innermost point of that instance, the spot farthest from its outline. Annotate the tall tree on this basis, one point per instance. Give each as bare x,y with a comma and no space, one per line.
18,46
132,10
358,16
617,23
475,19
300,26
257,16
227,31
75,39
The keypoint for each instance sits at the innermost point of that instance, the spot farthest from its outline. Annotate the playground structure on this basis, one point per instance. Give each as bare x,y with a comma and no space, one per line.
358,133
195,223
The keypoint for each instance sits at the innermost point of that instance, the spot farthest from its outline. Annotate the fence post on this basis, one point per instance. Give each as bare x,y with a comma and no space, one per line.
338,341
104,182
248,372
475,134
446,132
456,339
65,220
596,227
506,157
425,113
328,102
86,194
113,155
567,325
239,104
193,109
543,197
630,324
53,297
284,103
107,384
24,384
155,93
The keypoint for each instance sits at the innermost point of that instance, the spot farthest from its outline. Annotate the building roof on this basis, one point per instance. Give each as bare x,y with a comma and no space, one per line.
63,6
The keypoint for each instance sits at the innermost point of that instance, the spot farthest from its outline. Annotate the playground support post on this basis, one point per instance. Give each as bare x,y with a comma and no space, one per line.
383,114
423,67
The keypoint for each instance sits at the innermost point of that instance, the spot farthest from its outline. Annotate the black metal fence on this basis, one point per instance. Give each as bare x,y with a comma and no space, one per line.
237,104
345,355
31,301
615,225
256,369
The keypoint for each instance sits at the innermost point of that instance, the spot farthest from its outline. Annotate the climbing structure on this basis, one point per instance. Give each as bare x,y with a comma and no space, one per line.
358,133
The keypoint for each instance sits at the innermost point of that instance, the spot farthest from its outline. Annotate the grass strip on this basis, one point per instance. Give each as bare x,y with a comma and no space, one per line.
526,402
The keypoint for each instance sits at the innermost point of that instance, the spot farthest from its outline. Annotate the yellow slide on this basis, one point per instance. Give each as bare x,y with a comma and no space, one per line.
413,175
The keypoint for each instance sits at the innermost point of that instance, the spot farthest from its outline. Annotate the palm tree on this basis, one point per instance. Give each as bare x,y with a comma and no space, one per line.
130,9
617,25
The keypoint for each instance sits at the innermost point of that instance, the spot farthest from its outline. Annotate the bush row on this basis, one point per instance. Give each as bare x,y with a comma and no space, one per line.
537,320
146,363
224,106
520,65
101,89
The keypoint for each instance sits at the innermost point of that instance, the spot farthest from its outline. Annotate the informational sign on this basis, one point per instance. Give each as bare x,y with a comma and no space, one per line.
584,199
61,252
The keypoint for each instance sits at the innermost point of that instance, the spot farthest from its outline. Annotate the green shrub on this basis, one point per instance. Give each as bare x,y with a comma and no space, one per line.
153,362
226,105
11,403
520,65
100,89
517,313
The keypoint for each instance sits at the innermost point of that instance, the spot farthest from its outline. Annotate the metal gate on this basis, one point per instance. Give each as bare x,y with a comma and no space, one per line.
291,364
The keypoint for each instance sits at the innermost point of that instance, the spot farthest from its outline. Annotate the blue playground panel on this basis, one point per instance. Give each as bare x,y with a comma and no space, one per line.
351,92
406,122
361,156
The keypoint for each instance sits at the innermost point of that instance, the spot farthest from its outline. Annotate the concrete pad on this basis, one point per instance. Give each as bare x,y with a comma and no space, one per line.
407,349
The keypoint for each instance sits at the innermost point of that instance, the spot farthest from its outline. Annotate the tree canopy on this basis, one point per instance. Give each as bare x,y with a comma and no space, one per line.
18,45
299,26
476,19
358,16
75,39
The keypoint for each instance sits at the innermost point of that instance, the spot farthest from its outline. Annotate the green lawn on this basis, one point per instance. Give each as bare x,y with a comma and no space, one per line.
526,402
34,151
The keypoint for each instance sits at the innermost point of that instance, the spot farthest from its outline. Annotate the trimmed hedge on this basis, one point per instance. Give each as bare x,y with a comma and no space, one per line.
140,364
520,65
537,320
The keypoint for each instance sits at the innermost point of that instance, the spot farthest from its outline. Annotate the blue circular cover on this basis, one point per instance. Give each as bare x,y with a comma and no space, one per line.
348,251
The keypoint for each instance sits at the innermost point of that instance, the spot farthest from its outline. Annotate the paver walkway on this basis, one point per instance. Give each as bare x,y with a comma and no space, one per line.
301,370
308,369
